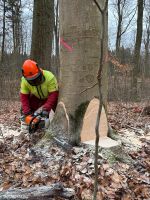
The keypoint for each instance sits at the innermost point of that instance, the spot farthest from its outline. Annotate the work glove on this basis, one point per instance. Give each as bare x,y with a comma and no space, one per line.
45,114
23,116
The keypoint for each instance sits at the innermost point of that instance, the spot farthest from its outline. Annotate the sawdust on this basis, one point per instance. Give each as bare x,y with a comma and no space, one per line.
6,131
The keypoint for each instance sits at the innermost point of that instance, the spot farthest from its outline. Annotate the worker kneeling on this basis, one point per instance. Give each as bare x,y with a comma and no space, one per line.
39,89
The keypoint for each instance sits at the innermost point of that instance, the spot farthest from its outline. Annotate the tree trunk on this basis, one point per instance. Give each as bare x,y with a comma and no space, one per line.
80,28
14,10
3,39
136,59
42,32
119,27
56,61
57,39
147,57
17,27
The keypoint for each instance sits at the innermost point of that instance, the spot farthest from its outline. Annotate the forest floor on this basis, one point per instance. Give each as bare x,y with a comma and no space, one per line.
22,165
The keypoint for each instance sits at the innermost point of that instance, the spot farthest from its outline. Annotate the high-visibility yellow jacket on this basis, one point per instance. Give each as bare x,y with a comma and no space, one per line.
42,91
46,94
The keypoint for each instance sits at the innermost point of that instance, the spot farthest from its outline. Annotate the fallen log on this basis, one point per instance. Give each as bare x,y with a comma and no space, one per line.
39,192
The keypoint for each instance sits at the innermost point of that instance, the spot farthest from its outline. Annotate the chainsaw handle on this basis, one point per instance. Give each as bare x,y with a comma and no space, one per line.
30,124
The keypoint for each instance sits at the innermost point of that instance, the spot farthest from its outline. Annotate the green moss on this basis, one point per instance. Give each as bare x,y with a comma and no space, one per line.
76,121
79,113
112,133
77,118
112,159
48,135
114,156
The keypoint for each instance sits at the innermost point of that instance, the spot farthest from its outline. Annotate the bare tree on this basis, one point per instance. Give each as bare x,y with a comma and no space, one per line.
125,15
14,16
42,32
55,56
4,31
147,42
136,59
27,5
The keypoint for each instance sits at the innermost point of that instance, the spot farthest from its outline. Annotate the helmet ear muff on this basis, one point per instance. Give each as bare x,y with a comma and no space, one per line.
40,72
38,68
22,72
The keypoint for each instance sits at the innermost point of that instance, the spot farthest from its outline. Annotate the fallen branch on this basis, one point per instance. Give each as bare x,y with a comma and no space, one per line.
36,193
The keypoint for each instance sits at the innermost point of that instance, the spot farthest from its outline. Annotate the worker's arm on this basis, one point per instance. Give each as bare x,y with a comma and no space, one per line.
52,99
25,103
51,102
24,98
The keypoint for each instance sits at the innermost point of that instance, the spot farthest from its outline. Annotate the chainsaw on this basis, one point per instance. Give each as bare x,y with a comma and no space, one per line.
37,122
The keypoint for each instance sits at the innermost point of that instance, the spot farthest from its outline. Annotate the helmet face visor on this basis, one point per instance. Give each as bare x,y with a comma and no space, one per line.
37,80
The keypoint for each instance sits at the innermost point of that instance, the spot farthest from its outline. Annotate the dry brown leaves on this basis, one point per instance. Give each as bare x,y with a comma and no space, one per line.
124,115
10,114
22,166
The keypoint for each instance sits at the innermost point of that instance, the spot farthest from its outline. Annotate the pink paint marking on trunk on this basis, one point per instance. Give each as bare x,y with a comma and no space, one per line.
67,46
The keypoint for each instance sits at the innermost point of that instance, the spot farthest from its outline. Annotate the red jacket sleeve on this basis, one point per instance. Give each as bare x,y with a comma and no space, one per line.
25,103
51,102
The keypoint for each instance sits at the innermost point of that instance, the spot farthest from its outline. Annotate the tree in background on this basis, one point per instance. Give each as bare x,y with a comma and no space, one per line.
125,15
124,12
12,26
3,32
147,41
137,48
14,16
42,32
80,28
55,56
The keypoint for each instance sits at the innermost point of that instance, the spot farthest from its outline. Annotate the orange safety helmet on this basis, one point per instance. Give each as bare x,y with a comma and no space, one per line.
31,72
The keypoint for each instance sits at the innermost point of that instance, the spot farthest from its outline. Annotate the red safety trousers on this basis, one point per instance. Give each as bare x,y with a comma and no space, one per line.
31,103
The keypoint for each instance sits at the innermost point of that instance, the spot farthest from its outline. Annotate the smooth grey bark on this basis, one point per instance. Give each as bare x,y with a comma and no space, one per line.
147,49
42,32
56,67
80,28
4,31
136,59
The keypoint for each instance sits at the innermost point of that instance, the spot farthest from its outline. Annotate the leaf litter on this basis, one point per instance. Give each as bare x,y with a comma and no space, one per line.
23,165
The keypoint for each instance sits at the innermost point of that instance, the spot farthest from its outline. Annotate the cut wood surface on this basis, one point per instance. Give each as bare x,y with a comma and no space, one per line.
36,193
89,121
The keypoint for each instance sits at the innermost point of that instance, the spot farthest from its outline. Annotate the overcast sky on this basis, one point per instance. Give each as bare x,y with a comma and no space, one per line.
127,39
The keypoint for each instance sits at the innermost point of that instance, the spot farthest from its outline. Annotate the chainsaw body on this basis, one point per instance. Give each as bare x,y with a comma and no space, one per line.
35,122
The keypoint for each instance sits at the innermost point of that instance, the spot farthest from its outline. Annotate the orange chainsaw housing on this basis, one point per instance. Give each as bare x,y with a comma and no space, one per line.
29,118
